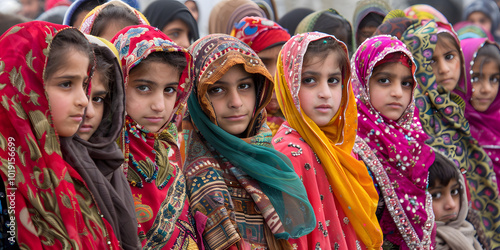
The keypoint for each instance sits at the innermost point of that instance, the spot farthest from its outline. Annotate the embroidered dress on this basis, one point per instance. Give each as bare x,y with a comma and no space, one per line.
394,150
482,124
442,118
248,192
338,186
153,165
53,207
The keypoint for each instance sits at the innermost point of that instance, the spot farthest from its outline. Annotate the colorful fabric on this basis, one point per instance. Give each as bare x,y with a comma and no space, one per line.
466,29
98,160
226,13
88,21
337,26
442,118
487,7
162,12
269,8
248,191
53,207
481,124
394,24
332,143
152,159
260,33
394,150
368,7
425,12
74,7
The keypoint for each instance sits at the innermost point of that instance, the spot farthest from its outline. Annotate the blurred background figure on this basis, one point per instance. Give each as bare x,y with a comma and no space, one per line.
368,15
291,20
228,12
484,13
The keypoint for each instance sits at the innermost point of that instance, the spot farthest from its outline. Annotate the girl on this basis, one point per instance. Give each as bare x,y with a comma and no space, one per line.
174,19
100,161
245,193
45,71
107,19
266,38
391,141
485,14
226,13
436,51
368,15
482,61
315,95
157,83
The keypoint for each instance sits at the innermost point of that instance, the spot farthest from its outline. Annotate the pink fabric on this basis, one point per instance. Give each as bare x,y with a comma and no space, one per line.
333,230
483,125
398,145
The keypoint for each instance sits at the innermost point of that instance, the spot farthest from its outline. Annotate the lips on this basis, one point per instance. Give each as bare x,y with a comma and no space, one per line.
395,105
448,217
77,118
324,108
85,128
154,119
235,117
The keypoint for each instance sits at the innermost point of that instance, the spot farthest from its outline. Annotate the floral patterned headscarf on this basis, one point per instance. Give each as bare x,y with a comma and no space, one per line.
396,151
333,142
53,207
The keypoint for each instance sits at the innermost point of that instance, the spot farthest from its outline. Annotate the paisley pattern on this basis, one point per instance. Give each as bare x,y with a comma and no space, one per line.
442,118
152,160
53,207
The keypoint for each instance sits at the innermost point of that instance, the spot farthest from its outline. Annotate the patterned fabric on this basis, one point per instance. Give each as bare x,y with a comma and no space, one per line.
332,143
260,33
394,151
481,124
153,164
53,207
248,191
88,21
442,118
466,29
488,8
425,12
395,24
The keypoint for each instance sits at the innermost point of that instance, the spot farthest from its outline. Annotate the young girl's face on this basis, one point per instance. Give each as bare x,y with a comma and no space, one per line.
391,86
95,109
320,91
480,19
446,200
269,57
485,84
151,94
66,91
233,98
446,64
178,31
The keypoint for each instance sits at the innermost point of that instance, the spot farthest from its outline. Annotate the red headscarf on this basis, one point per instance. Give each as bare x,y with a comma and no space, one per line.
53,207
260,33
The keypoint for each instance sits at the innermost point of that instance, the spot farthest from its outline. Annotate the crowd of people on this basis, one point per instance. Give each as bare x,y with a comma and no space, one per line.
124,129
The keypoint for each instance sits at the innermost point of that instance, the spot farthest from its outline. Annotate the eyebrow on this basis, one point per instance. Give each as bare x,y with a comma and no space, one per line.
70,77
315,73
104,92
145,81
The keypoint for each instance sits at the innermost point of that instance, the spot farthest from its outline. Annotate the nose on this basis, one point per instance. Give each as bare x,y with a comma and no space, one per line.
442,67
184,42
324,91
450,204
397,90
158,102
486,87
234,100
81,99
90,113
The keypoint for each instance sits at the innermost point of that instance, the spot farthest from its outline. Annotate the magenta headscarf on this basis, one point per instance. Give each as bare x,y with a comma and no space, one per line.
401,158
483,125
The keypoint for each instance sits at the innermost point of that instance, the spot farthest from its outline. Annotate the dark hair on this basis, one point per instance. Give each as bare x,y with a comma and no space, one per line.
64,41
488,53
443,170
450,42
85,6
174,59
336,25
324,46
104,65
113,15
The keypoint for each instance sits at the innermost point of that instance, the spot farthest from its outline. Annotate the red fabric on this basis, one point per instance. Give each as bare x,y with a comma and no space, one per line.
333,229
53,207
259,33
395,57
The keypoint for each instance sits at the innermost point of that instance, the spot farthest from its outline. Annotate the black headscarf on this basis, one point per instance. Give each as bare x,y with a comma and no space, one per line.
291,20
161,12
